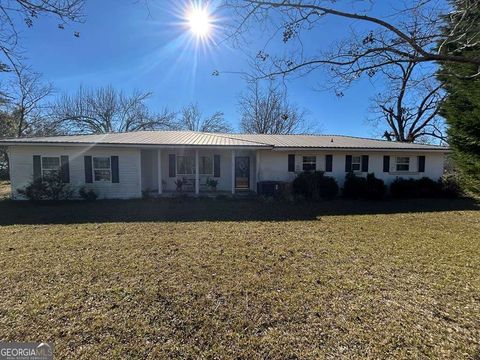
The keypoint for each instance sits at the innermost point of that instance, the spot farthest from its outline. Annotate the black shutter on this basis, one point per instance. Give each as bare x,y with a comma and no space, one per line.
386,163
348,163
291,162
88,169
37,167
421,164
216,166
115,170
65,169
171,165
364,163
328,163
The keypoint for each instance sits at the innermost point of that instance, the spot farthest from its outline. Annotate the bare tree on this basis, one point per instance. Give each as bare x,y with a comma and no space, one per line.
106,110
193,120
409,34
269,112
14,11
409,106
26,103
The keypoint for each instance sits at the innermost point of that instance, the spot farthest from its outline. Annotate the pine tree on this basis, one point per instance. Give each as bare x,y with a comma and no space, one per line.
462,105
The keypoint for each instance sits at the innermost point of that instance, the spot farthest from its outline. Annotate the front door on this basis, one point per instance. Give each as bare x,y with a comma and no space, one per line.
242,172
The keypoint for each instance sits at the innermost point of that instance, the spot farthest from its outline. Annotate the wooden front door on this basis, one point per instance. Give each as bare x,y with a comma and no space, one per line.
242,172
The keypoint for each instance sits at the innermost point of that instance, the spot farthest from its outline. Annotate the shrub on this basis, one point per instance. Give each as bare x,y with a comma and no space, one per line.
424,188
49,188
376,188
354,186
315,185
370,187
87,195
451,185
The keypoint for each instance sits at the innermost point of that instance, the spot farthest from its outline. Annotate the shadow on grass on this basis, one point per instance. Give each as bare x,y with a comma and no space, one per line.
191,210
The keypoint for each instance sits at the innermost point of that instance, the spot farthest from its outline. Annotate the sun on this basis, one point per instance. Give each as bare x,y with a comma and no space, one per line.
199,21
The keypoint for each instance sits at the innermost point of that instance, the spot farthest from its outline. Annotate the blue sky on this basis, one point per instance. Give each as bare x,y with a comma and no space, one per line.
131,47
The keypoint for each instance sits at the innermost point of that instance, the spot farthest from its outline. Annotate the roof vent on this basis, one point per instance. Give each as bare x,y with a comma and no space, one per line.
331,140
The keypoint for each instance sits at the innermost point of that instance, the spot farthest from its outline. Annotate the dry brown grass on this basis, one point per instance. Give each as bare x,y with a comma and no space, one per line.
399,285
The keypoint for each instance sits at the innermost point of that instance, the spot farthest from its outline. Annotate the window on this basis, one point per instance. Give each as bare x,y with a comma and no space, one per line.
206,165
50,166
402,163
309,163
102,170
185,165
356,163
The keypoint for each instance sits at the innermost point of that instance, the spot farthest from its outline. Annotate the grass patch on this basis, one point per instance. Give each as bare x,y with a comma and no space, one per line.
166,279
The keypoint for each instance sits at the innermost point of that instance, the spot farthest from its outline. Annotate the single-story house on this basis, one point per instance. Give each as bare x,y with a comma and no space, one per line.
125,165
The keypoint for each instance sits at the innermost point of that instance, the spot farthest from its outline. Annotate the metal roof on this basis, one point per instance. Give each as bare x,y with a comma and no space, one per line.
192,138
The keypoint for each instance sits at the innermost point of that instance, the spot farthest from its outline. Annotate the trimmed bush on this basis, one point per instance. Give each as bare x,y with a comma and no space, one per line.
315,186
48,188
87,195
356,187
424,188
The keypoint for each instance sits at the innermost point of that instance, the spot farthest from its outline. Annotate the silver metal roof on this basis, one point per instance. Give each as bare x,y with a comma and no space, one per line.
192,138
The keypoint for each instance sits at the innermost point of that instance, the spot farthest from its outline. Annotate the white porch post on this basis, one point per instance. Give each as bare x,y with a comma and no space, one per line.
159,170
197,178
233,171
257,169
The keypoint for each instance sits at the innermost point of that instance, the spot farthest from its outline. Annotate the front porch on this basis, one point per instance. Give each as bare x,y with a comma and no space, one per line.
199,172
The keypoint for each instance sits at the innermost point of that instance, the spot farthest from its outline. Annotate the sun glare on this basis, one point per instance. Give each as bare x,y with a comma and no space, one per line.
199,21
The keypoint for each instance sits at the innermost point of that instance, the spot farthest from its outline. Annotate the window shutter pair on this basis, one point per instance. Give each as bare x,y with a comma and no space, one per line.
348,163
64,168
421,164
172,165
114,163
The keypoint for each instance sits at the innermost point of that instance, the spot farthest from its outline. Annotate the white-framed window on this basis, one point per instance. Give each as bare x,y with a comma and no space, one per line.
102,169
356,163
185,165
50,165
402,163
309,163
206,165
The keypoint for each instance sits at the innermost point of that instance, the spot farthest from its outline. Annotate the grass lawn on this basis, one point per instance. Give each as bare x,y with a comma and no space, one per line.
242,279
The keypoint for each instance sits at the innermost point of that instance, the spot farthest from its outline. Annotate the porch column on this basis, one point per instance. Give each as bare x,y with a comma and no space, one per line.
233,171
197,178
159,170
257,169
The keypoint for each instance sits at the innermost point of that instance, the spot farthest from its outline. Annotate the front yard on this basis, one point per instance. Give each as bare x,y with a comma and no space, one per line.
242,279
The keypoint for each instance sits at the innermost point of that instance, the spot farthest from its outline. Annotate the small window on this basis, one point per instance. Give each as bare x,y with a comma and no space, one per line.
403,163
309,163
185,165
356,163
50,166
102,170
206,165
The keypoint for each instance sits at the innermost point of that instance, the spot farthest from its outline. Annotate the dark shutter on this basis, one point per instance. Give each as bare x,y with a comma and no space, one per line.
216,166
291,163
328,163
386,163
65,169
37,167
421,164
115,170
171,165
364,163
88,169
348,163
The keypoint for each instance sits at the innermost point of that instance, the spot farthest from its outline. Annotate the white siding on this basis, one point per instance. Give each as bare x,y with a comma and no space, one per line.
274,164
21,169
